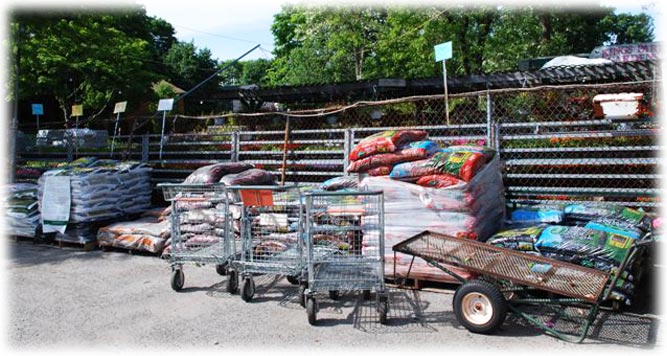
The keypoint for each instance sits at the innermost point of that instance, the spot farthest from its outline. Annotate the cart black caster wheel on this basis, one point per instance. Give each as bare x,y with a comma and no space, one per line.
232,281
177,280
221,269
383,308
334,295
367,294
292,280
311,310
248,289
302,295
479,306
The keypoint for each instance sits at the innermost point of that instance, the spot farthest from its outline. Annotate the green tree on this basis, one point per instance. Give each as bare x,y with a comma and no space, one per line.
333,44
80,57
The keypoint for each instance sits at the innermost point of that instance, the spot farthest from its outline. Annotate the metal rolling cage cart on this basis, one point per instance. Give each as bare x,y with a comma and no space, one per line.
345,247
271,234
507,280
201,225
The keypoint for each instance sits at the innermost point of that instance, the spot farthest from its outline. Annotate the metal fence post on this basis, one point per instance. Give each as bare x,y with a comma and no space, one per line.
144,147
347,148
70,149
489,119
234,147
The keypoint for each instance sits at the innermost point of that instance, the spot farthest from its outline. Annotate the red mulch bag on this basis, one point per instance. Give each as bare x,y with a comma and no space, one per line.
409,152
384,142
379,171
464,164
439,181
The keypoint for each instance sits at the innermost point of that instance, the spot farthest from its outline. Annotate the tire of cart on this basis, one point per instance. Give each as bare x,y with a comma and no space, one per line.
232,281
311,309
248,289
480,306
382,307
177,279
293,280
221,269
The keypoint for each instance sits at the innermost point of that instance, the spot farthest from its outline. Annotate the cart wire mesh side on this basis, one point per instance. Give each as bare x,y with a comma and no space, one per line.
345,244
202,229
271,233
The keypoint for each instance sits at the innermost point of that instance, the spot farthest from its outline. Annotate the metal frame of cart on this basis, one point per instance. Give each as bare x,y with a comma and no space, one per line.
337,225
202,233
505,280
271,234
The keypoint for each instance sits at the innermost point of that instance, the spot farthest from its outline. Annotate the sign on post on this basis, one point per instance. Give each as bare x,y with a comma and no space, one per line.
443,52
117,109
37,110
120,107
77,110
164,105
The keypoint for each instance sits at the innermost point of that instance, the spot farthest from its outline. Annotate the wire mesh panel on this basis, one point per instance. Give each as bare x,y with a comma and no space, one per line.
535,271
201,223
271,232
345,241
559,145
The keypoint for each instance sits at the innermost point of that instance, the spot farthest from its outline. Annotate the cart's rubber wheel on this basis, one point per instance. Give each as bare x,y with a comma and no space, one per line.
302,295
367,294
248,289
311,310
383,308
292,280
177,279
221,269
334,295
232,281
479,306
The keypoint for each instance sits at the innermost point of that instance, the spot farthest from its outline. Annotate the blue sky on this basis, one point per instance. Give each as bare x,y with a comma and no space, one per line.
230,28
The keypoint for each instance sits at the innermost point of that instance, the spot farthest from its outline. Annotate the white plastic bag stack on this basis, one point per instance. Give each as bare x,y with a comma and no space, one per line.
21,211
475,209
103,191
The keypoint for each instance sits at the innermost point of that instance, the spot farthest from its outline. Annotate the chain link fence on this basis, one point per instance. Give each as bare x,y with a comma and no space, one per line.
554,144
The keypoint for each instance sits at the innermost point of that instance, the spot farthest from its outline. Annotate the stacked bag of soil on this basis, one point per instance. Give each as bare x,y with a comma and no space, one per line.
597,237
22,213
455,190
145,234
203,223
100,191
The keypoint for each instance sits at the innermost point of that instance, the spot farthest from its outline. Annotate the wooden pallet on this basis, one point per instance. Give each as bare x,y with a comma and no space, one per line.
85,246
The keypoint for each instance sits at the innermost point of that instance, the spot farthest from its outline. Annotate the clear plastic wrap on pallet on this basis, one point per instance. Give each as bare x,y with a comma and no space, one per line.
21,209
475,209
101,190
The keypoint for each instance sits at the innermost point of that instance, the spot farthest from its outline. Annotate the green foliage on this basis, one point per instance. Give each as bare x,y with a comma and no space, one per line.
335,44
85,57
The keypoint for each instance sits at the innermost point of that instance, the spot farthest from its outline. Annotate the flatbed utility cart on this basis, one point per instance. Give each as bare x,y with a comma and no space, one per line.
345,247
505,279
201,230
271,234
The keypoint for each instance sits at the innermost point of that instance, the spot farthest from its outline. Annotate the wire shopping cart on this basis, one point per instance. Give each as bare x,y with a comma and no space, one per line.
345,247
271,234
202,230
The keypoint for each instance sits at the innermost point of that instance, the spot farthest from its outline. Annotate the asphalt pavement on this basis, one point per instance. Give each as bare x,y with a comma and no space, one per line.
65,298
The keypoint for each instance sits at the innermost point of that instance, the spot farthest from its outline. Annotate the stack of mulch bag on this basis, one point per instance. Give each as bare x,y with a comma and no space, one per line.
456,190
147,234
22,213
597,237
101,191
203,223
